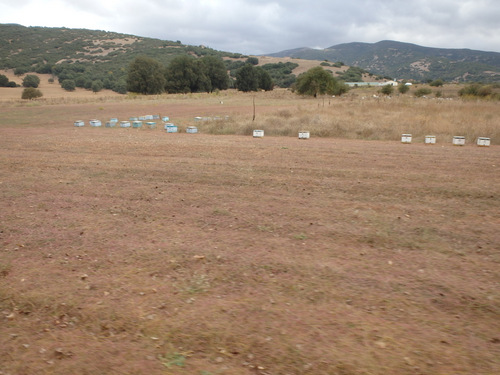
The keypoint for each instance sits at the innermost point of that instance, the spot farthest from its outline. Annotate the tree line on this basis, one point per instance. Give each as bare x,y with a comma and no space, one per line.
186,74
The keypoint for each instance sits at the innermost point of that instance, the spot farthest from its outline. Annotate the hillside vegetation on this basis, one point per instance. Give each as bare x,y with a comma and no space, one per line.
86,56
409,61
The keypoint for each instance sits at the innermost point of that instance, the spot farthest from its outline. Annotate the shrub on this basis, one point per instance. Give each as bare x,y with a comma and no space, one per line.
31,80
68,85
4,81
31,93
422,92
437,83
403,89
387,89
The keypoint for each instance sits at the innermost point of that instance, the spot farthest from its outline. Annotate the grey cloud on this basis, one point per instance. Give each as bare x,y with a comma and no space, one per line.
262,26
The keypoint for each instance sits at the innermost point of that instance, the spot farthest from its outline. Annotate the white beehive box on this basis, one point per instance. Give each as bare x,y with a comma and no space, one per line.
110,124
303,134
79,123
170,128
483,141
151,124
124,124
137,124
95,123
191,129
458,140
406,138
430,139
165,118
258,133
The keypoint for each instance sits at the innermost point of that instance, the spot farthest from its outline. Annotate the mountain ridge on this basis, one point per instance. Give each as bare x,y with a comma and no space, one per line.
408,61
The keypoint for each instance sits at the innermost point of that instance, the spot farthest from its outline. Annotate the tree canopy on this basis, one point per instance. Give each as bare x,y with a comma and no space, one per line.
250,78
31,80
146,76
317,81
31,93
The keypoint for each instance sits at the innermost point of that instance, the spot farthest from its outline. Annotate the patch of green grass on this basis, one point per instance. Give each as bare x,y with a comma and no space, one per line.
173,359
300,236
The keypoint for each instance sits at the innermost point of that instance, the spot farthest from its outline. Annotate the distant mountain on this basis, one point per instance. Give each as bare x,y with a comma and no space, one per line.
409,61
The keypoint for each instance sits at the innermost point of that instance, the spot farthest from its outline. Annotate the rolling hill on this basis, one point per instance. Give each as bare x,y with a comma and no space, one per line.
409,61
88,55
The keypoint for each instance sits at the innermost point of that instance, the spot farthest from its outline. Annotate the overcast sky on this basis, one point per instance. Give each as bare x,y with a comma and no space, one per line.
261,26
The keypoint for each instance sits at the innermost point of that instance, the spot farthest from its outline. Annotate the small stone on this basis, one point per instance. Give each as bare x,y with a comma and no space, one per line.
409,361
219,359
381,344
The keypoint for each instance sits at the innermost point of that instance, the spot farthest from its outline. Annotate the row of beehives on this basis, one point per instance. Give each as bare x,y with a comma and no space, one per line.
171,128
456,140
134,122
405,138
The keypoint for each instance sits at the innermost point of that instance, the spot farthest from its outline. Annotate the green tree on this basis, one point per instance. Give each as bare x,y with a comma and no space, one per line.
252,61
247,78
387,89
403,88
183,75
146,76
4,81
317,81
31,80
265,82
68,85
216,72
120,86
31,93
97,85
437,83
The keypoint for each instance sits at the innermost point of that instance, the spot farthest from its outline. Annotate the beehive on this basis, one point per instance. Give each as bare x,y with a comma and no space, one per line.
406,138
192,129
170,128
430,139
79,123
483,141
136,124
151,124
125,124
258,133
458,140
95,123
303,134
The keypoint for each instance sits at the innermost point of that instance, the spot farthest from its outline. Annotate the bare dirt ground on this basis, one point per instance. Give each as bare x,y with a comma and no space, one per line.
126,251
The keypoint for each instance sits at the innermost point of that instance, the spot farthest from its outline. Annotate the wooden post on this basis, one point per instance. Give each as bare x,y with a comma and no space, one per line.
253,119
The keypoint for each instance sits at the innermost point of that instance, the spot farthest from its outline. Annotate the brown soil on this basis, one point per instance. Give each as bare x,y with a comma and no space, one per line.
126,251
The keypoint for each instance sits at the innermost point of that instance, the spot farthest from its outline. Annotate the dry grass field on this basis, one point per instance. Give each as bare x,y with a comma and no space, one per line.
134,251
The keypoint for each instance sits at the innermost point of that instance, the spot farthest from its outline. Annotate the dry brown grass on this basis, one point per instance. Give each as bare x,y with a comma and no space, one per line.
126,251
